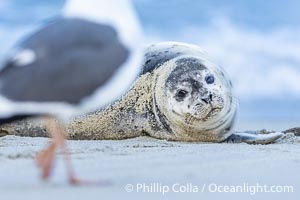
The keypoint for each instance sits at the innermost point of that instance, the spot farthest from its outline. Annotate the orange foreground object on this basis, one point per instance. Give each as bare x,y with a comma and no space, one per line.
45,159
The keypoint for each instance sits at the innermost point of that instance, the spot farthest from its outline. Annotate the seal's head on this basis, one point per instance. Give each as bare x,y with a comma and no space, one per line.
197,98
195,91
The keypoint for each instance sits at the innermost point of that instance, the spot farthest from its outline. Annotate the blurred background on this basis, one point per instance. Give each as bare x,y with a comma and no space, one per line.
257,42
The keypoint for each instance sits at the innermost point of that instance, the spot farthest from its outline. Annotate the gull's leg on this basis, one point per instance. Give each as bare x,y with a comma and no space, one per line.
45,158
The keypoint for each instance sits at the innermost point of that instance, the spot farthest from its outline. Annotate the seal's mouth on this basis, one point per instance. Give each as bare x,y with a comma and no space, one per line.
212,112
202,115
203,110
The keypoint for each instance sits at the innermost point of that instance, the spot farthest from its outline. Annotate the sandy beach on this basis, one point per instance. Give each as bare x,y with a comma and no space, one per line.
154,168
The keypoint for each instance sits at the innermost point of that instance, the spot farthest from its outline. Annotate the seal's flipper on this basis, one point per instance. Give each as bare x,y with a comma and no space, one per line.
254,138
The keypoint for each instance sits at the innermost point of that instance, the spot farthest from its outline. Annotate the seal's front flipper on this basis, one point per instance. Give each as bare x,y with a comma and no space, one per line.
254,138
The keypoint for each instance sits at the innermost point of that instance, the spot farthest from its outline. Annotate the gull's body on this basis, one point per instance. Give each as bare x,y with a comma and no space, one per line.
79,62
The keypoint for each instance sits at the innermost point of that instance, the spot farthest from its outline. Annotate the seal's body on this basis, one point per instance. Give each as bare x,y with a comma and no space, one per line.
180,96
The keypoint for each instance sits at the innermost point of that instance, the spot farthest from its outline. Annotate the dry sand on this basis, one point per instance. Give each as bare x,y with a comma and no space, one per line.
160,163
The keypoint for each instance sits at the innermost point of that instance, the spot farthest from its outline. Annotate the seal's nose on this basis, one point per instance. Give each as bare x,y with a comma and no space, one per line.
207,99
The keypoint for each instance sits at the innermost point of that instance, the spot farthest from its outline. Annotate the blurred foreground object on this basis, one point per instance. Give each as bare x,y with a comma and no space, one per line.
77,63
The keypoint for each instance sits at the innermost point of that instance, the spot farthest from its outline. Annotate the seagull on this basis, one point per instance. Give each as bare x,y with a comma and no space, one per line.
79,62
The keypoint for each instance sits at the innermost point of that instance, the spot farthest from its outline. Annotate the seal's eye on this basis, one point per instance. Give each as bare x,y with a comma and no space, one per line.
181,93
210,79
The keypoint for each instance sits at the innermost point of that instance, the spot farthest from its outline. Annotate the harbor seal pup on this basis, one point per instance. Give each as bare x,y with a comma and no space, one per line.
180,96
192,97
